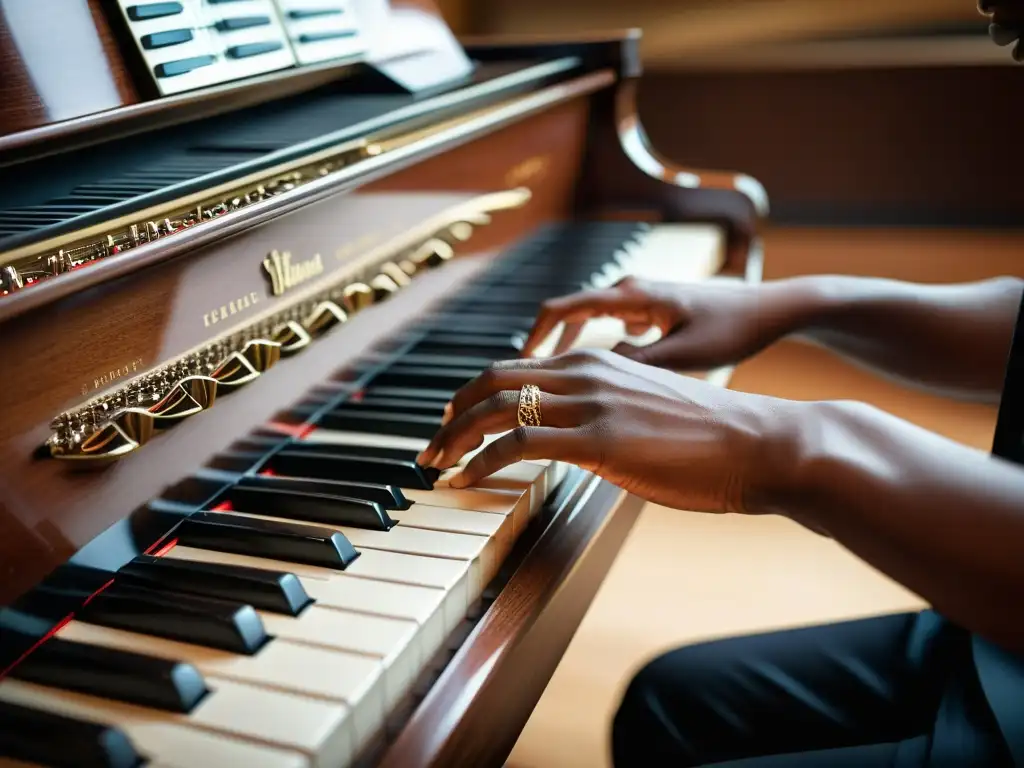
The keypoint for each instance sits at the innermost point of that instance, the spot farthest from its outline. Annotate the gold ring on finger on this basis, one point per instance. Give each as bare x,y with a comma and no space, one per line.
529,406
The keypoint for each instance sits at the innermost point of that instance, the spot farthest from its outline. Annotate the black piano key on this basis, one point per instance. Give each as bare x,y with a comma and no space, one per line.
105,672
311,13
452,359
132,678
307,507
253,49
396,405
352,419
351,464
183,66
236,23
41,738
441,396
523,306
416,377
290,542
237,461
452,321
319,37
267,590
468,346
165,39
312,448
389,497
210,623
147,11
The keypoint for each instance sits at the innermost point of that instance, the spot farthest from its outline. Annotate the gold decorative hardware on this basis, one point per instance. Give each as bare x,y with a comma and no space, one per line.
324,316
36,263
286,274
41,261
357,296
123,420
292,337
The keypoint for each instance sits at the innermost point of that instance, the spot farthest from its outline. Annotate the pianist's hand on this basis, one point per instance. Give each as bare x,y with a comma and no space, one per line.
672,439
703,325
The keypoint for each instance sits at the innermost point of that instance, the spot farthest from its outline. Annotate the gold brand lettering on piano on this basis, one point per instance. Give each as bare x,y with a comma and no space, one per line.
233,307
285,274
107,378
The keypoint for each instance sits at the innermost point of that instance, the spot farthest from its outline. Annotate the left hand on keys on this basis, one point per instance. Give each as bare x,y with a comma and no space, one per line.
672,439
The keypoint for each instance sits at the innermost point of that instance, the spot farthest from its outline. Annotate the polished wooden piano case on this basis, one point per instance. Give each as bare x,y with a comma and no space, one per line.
160,249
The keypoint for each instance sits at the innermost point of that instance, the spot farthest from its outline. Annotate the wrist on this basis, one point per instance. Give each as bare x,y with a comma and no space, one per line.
798,303
804,469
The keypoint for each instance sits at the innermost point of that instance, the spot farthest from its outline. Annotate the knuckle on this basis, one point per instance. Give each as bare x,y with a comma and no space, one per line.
520,436
592,357
601,409
577,356
489,376
499,401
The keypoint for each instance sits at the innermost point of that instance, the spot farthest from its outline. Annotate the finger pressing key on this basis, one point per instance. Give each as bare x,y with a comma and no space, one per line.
508,376
524,444
498,413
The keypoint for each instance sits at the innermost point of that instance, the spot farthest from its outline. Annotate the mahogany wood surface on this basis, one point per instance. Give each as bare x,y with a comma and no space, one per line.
58,61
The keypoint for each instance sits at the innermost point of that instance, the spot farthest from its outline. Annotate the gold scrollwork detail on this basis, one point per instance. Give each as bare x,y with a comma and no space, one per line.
120,422
168,220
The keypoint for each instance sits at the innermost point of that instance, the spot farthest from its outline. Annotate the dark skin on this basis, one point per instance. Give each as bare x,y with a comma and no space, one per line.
945,520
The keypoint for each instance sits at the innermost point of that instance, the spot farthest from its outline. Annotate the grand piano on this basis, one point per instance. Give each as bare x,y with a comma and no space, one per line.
248,251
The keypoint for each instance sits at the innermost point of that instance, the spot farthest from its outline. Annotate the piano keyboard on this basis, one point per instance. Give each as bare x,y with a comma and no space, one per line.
318,579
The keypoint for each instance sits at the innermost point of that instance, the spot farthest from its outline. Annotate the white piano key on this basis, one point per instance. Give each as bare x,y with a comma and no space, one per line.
553,472
496,527
514,504
479,552
679,253
337,676
393,641
161,735
530,477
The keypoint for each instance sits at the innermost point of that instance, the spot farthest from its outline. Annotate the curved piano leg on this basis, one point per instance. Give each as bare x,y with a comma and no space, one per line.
624,173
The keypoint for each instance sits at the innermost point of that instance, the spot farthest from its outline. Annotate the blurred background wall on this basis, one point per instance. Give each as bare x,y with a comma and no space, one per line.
852,112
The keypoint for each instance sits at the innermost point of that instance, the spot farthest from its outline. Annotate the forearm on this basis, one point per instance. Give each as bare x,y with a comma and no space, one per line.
951,338
944,520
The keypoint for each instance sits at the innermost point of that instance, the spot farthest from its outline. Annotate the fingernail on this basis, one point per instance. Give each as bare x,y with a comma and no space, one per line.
438,461
458,481
447,414
424,457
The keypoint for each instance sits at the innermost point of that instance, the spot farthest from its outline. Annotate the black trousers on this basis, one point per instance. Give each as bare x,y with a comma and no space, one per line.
896,690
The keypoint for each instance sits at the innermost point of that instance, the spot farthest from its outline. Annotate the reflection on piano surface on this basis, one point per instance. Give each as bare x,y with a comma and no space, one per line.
232,312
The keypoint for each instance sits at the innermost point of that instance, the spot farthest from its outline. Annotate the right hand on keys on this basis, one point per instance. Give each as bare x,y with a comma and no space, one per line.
703,325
